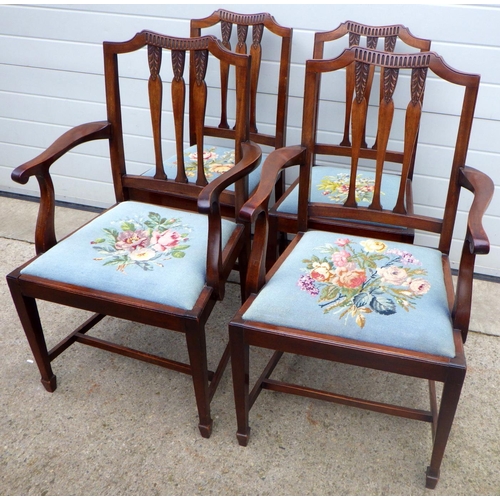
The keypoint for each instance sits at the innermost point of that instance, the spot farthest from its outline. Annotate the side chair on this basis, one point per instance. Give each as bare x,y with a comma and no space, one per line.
354,299
142,260
328,179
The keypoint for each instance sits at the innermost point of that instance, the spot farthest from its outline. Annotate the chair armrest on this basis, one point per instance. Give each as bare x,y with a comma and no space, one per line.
39,167
476,242
255,210
209,196
483,188
274,164
77,135
208,203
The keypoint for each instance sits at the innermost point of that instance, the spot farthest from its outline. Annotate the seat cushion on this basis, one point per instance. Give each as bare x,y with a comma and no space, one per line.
217,160
369,290
135,249
331,185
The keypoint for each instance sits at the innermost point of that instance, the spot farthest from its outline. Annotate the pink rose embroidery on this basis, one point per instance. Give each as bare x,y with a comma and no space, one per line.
419,286
130,240
340,258
165,240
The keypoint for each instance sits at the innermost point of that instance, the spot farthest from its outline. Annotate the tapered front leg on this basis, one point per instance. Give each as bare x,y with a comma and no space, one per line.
240,368
197,350
448,408
30,319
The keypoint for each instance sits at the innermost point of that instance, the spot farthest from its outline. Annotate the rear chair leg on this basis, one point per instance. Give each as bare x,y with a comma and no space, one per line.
240,369
448,408
197,349
30,320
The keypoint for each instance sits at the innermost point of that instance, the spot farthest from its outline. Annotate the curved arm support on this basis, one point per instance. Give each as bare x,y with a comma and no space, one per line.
255,211
483,188
476,242
274,164
39,167
208,203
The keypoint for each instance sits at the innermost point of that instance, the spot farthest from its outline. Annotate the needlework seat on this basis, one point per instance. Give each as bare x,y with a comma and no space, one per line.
387,293
145,251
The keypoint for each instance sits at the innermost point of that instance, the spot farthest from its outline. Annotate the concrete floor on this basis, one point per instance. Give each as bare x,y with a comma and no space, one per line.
116,426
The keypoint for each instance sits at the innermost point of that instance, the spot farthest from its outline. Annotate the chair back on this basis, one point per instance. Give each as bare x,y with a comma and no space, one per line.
372,35
278,40
397,129
167,123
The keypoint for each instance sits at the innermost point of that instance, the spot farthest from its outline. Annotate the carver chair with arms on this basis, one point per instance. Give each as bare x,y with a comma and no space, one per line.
371,303
269,40
284,213
142,260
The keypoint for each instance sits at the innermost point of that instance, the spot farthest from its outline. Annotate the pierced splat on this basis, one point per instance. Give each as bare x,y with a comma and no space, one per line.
355,31
244,43
389,65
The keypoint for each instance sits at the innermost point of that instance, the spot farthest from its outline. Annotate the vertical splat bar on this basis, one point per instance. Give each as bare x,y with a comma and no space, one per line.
412,123
226,29
389,46
359,110
256,54
371,43
199,109
385,117
178,90
155,89
354,39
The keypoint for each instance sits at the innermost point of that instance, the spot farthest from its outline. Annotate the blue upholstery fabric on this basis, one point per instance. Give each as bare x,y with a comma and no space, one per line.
217,161
376,291
138,250
328,185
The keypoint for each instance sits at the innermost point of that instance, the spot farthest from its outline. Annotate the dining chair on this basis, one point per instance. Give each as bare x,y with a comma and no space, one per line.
143,260
355,299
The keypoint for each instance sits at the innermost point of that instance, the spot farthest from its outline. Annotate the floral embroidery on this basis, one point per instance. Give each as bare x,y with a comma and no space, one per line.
214,163
336,187
142,242
356,279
